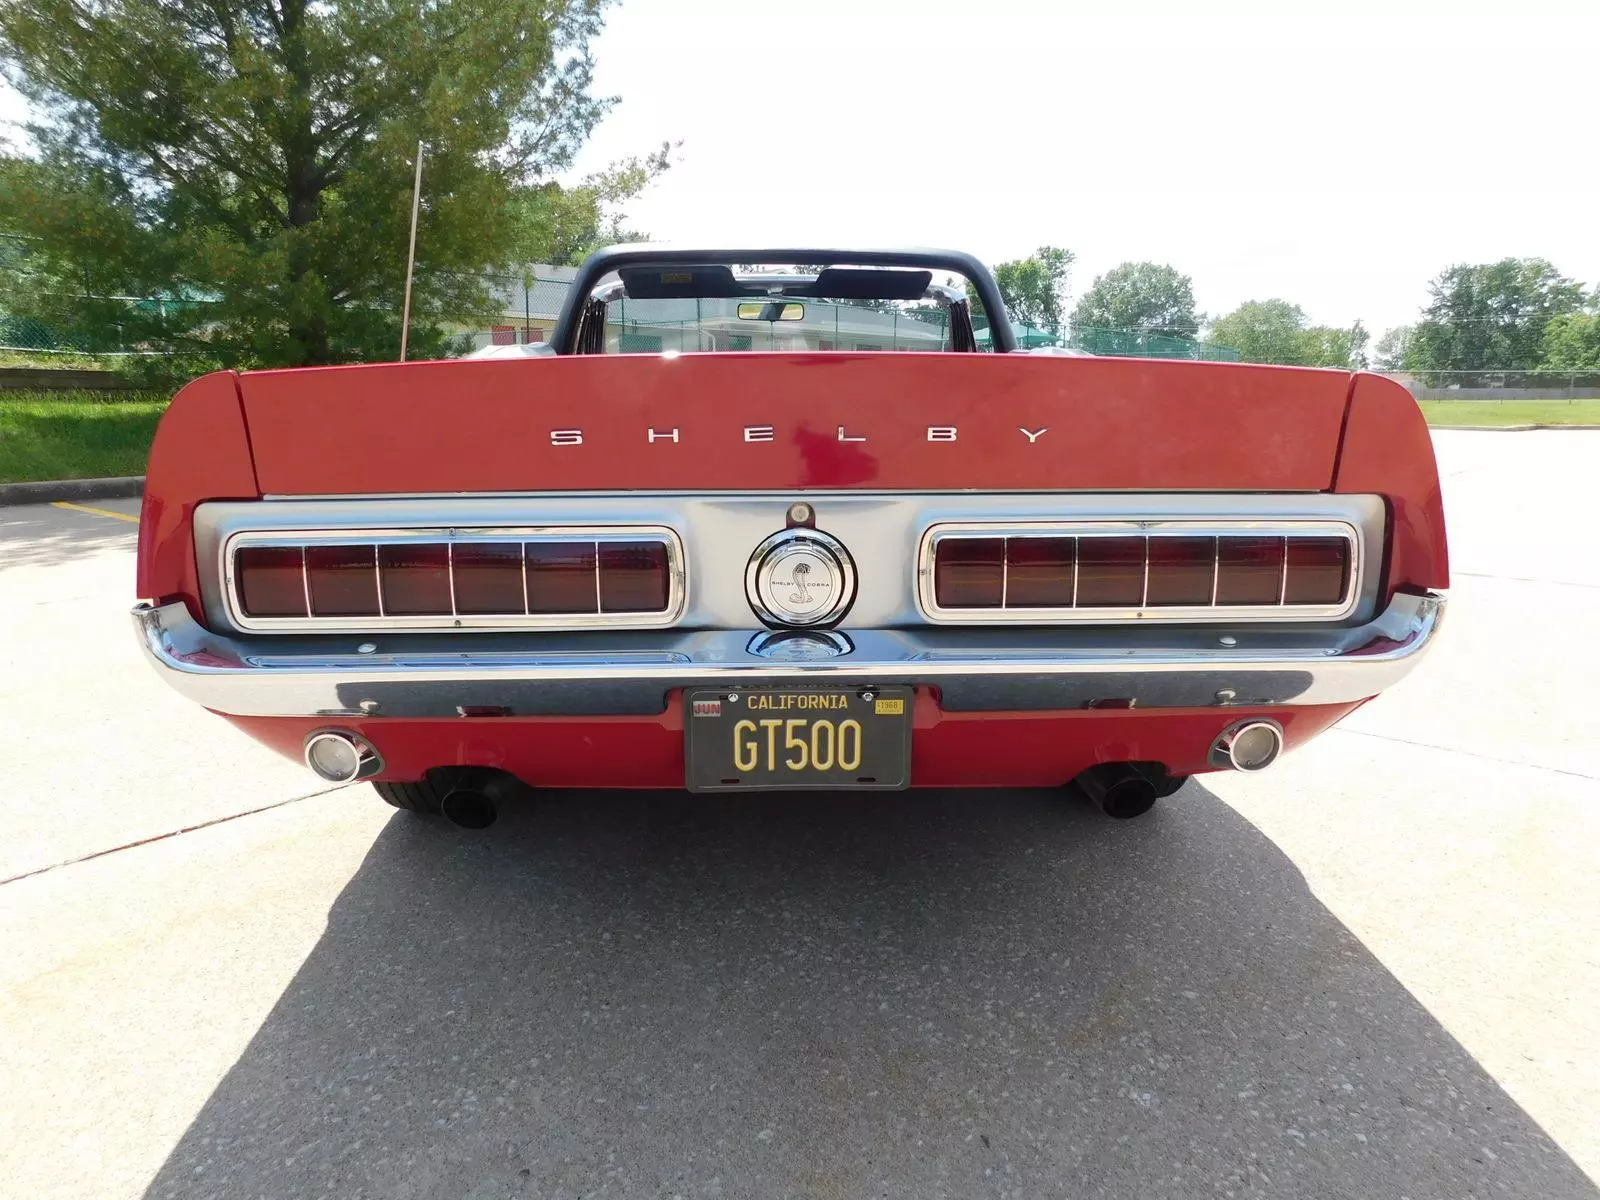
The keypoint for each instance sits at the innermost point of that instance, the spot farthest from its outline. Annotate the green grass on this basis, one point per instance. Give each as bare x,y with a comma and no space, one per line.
61,359
76,435
1493,413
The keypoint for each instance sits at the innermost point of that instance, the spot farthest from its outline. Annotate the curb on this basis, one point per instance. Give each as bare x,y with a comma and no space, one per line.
47,490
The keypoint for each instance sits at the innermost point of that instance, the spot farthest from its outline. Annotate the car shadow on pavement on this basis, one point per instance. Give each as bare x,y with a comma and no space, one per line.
913,995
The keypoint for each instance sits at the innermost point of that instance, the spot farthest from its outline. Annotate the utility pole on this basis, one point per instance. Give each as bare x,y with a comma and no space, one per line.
411,255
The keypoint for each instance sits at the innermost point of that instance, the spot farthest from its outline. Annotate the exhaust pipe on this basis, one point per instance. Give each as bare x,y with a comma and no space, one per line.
1118,789
474,798
339,756
1247,746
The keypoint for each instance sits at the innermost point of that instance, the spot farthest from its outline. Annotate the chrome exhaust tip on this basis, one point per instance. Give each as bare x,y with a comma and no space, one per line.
339,756
1247,746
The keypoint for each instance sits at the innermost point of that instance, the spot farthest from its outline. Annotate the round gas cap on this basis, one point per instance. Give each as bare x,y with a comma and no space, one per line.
800,578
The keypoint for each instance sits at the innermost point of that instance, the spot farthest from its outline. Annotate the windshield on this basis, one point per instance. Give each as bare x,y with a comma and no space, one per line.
778,310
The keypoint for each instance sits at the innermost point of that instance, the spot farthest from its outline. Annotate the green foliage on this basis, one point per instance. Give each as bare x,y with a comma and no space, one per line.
1394,349
1275,331
1139,295
1262,331
1492,316
244,169
1572,340
1035,288
1330,346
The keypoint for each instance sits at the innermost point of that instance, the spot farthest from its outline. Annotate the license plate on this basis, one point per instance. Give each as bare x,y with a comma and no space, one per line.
780,738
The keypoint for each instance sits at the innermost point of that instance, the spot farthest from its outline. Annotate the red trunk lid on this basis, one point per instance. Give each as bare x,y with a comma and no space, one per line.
777,421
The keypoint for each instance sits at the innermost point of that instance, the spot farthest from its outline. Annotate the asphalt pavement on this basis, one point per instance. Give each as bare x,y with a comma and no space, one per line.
1368,972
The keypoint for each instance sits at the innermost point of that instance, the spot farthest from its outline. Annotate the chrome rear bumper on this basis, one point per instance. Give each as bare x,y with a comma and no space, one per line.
631,673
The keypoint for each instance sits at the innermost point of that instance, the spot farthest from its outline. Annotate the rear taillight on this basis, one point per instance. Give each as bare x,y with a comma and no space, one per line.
342,581
562,579
970,572
410,580
271,580
1178,572
633,577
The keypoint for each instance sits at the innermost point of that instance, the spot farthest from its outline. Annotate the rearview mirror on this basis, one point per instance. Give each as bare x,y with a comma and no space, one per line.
772,310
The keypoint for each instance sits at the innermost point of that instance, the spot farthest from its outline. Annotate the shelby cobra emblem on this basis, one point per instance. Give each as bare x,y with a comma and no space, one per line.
800,578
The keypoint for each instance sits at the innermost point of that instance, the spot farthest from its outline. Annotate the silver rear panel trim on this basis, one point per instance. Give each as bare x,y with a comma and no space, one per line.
719,530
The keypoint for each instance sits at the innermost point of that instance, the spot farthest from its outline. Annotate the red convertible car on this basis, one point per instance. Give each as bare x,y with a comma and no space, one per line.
747,524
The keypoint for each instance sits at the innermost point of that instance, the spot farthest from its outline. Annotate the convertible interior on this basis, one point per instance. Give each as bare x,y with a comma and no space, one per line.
696,306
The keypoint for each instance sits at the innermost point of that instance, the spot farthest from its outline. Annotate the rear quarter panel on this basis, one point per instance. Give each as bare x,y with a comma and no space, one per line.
1387,449
201,452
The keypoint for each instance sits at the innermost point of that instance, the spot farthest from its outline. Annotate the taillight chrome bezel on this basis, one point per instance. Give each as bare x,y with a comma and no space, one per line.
598,535
935,535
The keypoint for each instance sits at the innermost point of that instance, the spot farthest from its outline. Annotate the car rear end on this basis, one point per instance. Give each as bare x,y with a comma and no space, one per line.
789,569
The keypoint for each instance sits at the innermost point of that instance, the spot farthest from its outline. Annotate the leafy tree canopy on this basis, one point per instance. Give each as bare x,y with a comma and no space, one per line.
247,165
1492,316
1035,288
1394,349
1275,331
1572,340
1139,295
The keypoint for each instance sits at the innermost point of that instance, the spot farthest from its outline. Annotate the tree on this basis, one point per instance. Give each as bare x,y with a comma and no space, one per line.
248,164
1394,349
1492,316
1331,346
1035,288
1139,295
1572,340
1275,331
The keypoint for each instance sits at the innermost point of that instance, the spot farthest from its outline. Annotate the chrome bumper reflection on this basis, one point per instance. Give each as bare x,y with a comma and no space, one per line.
631,673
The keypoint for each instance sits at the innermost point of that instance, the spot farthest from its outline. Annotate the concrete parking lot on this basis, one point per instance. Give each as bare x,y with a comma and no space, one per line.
1371,971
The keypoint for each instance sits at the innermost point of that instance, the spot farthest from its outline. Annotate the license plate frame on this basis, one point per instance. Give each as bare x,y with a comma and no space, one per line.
713,742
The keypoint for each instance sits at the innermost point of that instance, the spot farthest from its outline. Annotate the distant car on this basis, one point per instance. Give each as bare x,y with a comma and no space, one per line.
721,535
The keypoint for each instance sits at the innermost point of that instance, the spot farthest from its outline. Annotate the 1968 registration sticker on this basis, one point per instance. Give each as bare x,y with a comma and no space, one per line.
780,738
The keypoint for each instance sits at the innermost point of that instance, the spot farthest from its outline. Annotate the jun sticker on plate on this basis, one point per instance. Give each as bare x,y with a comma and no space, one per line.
708,708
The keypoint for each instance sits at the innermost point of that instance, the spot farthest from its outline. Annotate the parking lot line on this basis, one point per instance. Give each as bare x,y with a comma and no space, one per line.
98,512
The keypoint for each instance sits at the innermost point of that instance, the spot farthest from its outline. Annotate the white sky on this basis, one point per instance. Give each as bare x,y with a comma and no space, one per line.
1335,154
1338,155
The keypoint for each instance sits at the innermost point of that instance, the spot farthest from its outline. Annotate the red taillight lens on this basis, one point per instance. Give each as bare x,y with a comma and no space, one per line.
1180,570
416,579
969,572
488,577
1249,570
1110,572
1317,571
270,581
342,580
1165,573
1039,572
633,577
561,577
